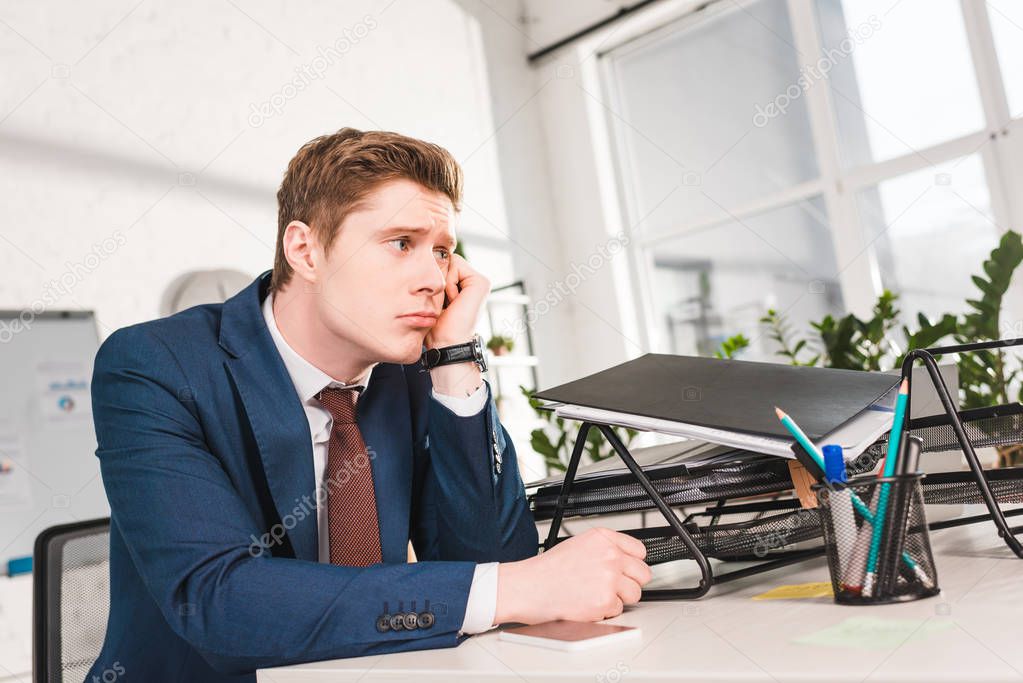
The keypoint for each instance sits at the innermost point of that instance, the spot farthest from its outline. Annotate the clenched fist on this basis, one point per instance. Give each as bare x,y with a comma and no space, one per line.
588,577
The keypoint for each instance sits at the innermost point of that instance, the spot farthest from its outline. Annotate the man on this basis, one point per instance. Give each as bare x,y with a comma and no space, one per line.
268,460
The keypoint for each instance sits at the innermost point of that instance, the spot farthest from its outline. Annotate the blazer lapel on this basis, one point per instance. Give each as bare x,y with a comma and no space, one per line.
275,415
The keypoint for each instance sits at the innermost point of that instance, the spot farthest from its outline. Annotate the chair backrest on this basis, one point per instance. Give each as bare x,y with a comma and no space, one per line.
70,599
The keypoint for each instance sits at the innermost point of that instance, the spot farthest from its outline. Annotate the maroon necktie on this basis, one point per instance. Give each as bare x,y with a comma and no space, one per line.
351,500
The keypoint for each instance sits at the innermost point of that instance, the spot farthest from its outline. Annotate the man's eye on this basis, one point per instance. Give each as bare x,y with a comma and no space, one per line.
444,254
401,242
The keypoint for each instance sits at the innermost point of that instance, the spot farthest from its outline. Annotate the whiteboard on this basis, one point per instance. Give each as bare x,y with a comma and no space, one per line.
49,473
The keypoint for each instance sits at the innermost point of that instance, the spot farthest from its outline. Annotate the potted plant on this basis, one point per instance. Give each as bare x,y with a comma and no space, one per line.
985,377
500,345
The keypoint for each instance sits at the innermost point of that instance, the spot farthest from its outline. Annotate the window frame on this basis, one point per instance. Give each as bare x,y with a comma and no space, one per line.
859,276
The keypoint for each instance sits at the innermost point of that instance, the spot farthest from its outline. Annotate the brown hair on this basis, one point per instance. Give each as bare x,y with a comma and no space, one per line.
331,174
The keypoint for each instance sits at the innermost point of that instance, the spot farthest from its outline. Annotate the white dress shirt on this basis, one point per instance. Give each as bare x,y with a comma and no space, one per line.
308,381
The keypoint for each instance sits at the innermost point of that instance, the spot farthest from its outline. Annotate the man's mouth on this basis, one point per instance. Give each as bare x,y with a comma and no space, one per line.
424,318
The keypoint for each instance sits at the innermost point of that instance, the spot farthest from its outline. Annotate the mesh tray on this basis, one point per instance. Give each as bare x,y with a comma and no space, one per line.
997,426
756,539
678,486
984,427
949,488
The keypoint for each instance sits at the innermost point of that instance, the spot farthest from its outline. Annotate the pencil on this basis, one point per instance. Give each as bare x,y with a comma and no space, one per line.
890,460
800,436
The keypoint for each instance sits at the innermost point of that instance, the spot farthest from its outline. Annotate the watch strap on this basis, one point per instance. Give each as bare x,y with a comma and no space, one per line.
470,351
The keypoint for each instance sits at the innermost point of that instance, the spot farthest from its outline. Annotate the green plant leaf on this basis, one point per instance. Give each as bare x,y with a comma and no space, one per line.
928,334
731,346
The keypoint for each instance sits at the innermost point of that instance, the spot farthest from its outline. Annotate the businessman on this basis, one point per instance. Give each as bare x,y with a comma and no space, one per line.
268,460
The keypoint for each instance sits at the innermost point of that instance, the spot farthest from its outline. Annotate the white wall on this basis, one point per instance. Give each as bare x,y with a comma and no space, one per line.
538,247
134,123
562,207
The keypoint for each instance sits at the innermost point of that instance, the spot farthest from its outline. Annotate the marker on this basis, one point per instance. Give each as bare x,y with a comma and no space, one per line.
852,577
842,519
891,459
910,462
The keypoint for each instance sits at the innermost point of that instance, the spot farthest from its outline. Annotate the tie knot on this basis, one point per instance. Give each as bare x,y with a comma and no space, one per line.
339,402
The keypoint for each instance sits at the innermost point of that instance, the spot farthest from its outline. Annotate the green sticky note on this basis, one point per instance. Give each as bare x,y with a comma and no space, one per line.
872,633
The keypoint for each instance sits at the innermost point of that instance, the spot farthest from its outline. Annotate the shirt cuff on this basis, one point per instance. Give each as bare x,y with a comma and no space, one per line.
466,406
481,606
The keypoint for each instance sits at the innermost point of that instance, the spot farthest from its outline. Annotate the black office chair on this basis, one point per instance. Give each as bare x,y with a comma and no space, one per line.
70,599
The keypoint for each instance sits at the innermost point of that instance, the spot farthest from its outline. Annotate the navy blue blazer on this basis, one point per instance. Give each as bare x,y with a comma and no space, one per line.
207,462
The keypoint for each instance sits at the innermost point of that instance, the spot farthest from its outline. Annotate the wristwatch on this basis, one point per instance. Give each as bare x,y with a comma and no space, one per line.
470,351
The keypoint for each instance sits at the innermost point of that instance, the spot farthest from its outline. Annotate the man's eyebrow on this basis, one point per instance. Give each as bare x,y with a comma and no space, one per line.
415,230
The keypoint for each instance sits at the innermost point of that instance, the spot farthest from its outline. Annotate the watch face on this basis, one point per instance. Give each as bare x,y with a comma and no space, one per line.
477,353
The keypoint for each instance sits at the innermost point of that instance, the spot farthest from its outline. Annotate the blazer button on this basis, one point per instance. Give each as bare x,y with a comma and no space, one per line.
384,620
411,620
398,622
426,619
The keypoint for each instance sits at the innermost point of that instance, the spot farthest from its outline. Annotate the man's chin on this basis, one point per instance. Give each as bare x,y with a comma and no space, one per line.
406,350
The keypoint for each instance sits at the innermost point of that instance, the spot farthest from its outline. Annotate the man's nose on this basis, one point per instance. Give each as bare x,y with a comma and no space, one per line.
430,276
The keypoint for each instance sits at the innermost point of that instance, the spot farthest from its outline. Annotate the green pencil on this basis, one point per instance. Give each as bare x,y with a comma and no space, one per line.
894,437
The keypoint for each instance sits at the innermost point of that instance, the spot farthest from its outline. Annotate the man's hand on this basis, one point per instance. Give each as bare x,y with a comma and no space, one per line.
584,578
467,289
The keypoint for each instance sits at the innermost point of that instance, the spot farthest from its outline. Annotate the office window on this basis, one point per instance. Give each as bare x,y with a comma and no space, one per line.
685,123
1007,27
720,186
902,79
912,221
727,125
714,282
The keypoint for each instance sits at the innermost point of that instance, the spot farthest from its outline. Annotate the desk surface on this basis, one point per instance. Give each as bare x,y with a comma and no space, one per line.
970,629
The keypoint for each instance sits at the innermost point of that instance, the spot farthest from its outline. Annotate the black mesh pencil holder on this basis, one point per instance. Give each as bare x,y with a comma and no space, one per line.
870,566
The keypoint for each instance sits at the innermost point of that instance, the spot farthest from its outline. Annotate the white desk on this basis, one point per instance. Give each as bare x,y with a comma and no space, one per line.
969,632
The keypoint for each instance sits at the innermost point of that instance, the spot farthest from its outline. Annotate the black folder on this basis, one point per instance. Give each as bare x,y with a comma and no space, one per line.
728,394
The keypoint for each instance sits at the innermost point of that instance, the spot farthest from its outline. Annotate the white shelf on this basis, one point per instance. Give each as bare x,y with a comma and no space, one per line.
508,298
512,361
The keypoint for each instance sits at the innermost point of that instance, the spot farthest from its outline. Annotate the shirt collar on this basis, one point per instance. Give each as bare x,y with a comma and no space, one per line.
307,378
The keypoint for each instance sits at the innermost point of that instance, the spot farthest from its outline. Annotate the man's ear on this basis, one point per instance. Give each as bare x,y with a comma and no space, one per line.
300,245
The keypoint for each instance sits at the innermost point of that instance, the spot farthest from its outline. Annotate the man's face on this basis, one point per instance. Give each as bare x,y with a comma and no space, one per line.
382,286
